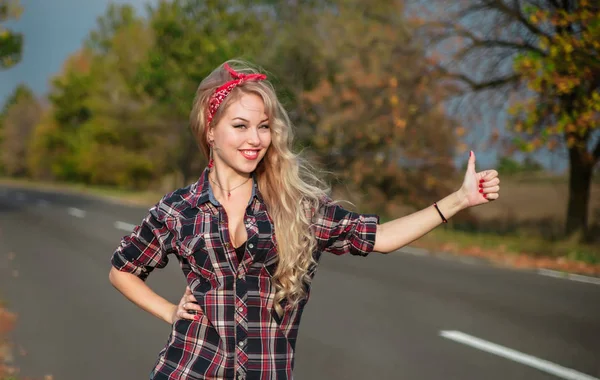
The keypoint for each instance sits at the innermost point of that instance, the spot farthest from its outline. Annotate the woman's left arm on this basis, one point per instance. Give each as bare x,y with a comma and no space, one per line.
477,188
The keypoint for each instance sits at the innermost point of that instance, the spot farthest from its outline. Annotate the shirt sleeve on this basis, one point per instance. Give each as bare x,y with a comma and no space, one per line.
340,231
147,246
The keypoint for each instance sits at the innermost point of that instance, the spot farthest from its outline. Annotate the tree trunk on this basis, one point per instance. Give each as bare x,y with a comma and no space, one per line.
580,179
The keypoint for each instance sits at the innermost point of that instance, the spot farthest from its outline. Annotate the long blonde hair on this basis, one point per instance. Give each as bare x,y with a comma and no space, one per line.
291,190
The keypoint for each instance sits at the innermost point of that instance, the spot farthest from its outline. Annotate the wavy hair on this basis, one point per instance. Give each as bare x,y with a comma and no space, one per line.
291,190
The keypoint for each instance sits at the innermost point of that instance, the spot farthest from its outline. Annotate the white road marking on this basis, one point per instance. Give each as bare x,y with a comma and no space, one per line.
78,213
569,276
519,357
469,260
43,203
124,226
414,251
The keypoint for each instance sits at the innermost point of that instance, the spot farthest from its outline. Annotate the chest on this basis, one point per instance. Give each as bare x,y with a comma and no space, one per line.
236,223
207,241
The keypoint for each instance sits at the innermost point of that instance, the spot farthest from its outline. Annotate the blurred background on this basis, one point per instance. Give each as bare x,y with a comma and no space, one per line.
387,96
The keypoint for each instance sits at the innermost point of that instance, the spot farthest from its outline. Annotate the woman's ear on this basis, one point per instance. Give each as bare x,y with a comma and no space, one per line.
210,135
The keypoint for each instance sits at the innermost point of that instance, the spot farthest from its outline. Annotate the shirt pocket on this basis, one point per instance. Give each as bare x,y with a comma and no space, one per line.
193,250
269,266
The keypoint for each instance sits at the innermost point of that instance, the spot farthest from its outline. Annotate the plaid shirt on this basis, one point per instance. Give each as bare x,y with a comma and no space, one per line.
239,334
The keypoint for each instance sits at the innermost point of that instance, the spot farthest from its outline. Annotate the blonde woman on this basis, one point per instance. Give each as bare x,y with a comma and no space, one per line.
249,234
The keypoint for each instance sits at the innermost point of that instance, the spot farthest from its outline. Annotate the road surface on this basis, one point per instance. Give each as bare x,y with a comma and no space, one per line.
396,316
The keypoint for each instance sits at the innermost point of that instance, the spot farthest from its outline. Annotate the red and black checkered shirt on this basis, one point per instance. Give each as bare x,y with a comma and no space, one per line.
239,334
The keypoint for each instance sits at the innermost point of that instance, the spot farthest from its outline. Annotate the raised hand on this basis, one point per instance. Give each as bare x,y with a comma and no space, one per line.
479,187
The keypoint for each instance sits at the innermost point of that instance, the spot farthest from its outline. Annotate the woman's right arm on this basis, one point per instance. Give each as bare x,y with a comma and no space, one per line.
136,257
136,290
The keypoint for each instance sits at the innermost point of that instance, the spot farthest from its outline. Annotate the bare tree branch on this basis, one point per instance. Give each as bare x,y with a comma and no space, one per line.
514,14
478,42
478,86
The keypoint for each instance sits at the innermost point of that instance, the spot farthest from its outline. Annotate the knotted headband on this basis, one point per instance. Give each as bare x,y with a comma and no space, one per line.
221,93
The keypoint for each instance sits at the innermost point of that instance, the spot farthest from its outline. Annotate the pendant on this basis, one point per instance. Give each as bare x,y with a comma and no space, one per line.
228,194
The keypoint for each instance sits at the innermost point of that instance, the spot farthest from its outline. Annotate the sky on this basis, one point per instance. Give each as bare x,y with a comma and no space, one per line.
53,30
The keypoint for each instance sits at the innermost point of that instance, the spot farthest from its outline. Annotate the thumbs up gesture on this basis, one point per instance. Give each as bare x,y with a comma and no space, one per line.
479,187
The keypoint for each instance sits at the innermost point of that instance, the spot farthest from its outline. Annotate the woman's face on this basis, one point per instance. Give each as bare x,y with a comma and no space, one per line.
242,136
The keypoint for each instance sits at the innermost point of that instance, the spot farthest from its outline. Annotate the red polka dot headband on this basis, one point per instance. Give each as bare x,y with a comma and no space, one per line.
221,93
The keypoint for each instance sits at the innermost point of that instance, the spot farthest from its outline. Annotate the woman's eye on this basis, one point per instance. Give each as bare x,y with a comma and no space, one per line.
265,126
239,126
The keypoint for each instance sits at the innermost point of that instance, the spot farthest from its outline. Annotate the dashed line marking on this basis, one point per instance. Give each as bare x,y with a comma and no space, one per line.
519,357
414,251
124,226
78,213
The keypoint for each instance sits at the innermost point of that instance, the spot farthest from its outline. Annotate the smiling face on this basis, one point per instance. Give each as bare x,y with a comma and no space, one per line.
242,135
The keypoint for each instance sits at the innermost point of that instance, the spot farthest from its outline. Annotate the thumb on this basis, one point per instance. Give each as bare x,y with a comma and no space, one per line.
471,164
188,290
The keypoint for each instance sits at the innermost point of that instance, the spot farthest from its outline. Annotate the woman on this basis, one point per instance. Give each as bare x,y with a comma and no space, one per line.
248,235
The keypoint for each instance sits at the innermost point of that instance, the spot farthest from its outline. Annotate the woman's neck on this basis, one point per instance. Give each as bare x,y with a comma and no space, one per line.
227,182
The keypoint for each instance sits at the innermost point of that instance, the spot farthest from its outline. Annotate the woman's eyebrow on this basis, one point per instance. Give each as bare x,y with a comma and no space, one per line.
247,121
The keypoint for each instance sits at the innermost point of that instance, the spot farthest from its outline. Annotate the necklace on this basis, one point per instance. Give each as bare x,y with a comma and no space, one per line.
230,190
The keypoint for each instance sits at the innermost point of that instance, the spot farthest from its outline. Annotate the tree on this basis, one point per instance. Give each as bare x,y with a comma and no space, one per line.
19,123
69,97
11,43
103,130
192,37
373,108
121,144
548,53
296,57
20,92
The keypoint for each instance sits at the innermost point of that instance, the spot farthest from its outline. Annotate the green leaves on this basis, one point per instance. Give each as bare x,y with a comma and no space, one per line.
561,80
120,106
11,43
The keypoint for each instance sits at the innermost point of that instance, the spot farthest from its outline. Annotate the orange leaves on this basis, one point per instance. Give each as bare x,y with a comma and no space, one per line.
400,123
566,84
563,101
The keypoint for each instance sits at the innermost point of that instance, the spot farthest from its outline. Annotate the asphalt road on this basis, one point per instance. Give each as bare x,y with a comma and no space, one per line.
396,316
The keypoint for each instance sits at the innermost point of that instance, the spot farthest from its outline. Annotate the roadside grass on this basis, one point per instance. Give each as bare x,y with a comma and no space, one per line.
448,239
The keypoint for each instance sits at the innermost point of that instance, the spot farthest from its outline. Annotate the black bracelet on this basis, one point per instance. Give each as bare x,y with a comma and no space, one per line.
439,212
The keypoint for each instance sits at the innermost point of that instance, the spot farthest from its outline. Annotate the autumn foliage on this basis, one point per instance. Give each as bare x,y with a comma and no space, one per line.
542,59
11,43
7,322
366,89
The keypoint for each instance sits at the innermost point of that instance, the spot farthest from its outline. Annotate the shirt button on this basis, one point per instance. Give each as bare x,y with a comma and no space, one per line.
241,344
240,309
248,220
250,245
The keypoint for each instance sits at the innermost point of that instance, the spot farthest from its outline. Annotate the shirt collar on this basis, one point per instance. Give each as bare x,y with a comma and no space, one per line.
205,192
